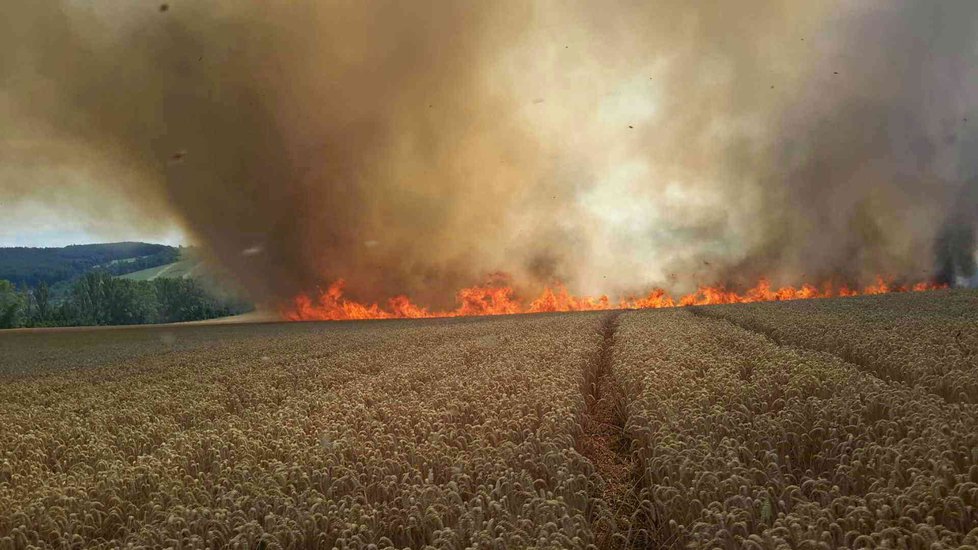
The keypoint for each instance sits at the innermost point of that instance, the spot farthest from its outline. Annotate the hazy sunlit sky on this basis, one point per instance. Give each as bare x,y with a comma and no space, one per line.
29,225
62,237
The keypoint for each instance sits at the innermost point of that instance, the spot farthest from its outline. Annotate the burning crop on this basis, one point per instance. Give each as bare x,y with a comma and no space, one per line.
498,297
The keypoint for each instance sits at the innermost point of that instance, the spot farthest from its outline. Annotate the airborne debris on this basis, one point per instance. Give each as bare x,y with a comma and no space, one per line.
164,7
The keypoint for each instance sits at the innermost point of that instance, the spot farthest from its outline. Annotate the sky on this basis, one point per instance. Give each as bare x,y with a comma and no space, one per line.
56,237
37,225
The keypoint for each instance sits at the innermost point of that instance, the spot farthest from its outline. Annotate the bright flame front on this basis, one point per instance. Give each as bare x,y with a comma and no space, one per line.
498,298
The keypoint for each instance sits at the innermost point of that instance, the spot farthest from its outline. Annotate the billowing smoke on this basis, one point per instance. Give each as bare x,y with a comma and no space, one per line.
414,147
872,157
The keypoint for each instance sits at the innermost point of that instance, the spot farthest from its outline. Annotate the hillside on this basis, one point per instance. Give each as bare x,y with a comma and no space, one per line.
33,266
190,265
112,284
183,268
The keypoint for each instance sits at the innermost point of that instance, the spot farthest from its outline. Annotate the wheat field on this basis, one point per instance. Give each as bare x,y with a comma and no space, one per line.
838,423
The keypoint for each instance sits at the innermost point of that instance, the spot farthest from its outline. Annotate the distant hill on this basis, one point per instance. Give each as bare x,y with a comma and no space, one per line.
32,266
128,283
191,265
185,267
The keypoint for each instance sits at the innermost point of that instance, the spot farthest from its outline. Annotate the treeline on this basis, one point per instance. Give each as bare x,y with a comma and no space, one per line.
32,266
97,298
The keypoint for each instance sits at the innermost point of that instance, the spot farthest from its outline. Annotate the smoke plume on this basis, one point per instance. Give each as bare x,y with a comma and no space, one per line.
415,147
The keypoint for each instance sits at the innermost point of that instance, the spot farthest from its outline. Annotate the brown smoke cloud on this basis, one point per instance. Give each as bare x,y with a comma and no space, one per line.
415,147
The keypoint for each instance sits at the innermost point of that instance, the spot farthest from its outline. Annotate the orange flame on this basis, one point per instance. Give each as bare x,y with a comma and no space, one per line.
499,298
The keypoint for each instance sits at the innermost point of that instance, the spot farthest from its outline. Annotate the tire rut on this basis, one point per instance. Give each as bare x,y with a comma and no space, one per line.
608,447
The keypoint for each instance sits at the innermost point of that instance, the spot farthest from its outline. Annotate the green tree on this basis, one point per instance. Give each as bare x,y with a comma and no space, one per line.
11,305
42,296
130,302
97,298
88,299
185,300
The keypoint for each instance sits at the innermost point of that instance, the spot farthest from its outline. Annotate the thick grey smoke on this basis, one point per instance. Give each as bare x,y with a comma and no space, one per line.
415,147
871,159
